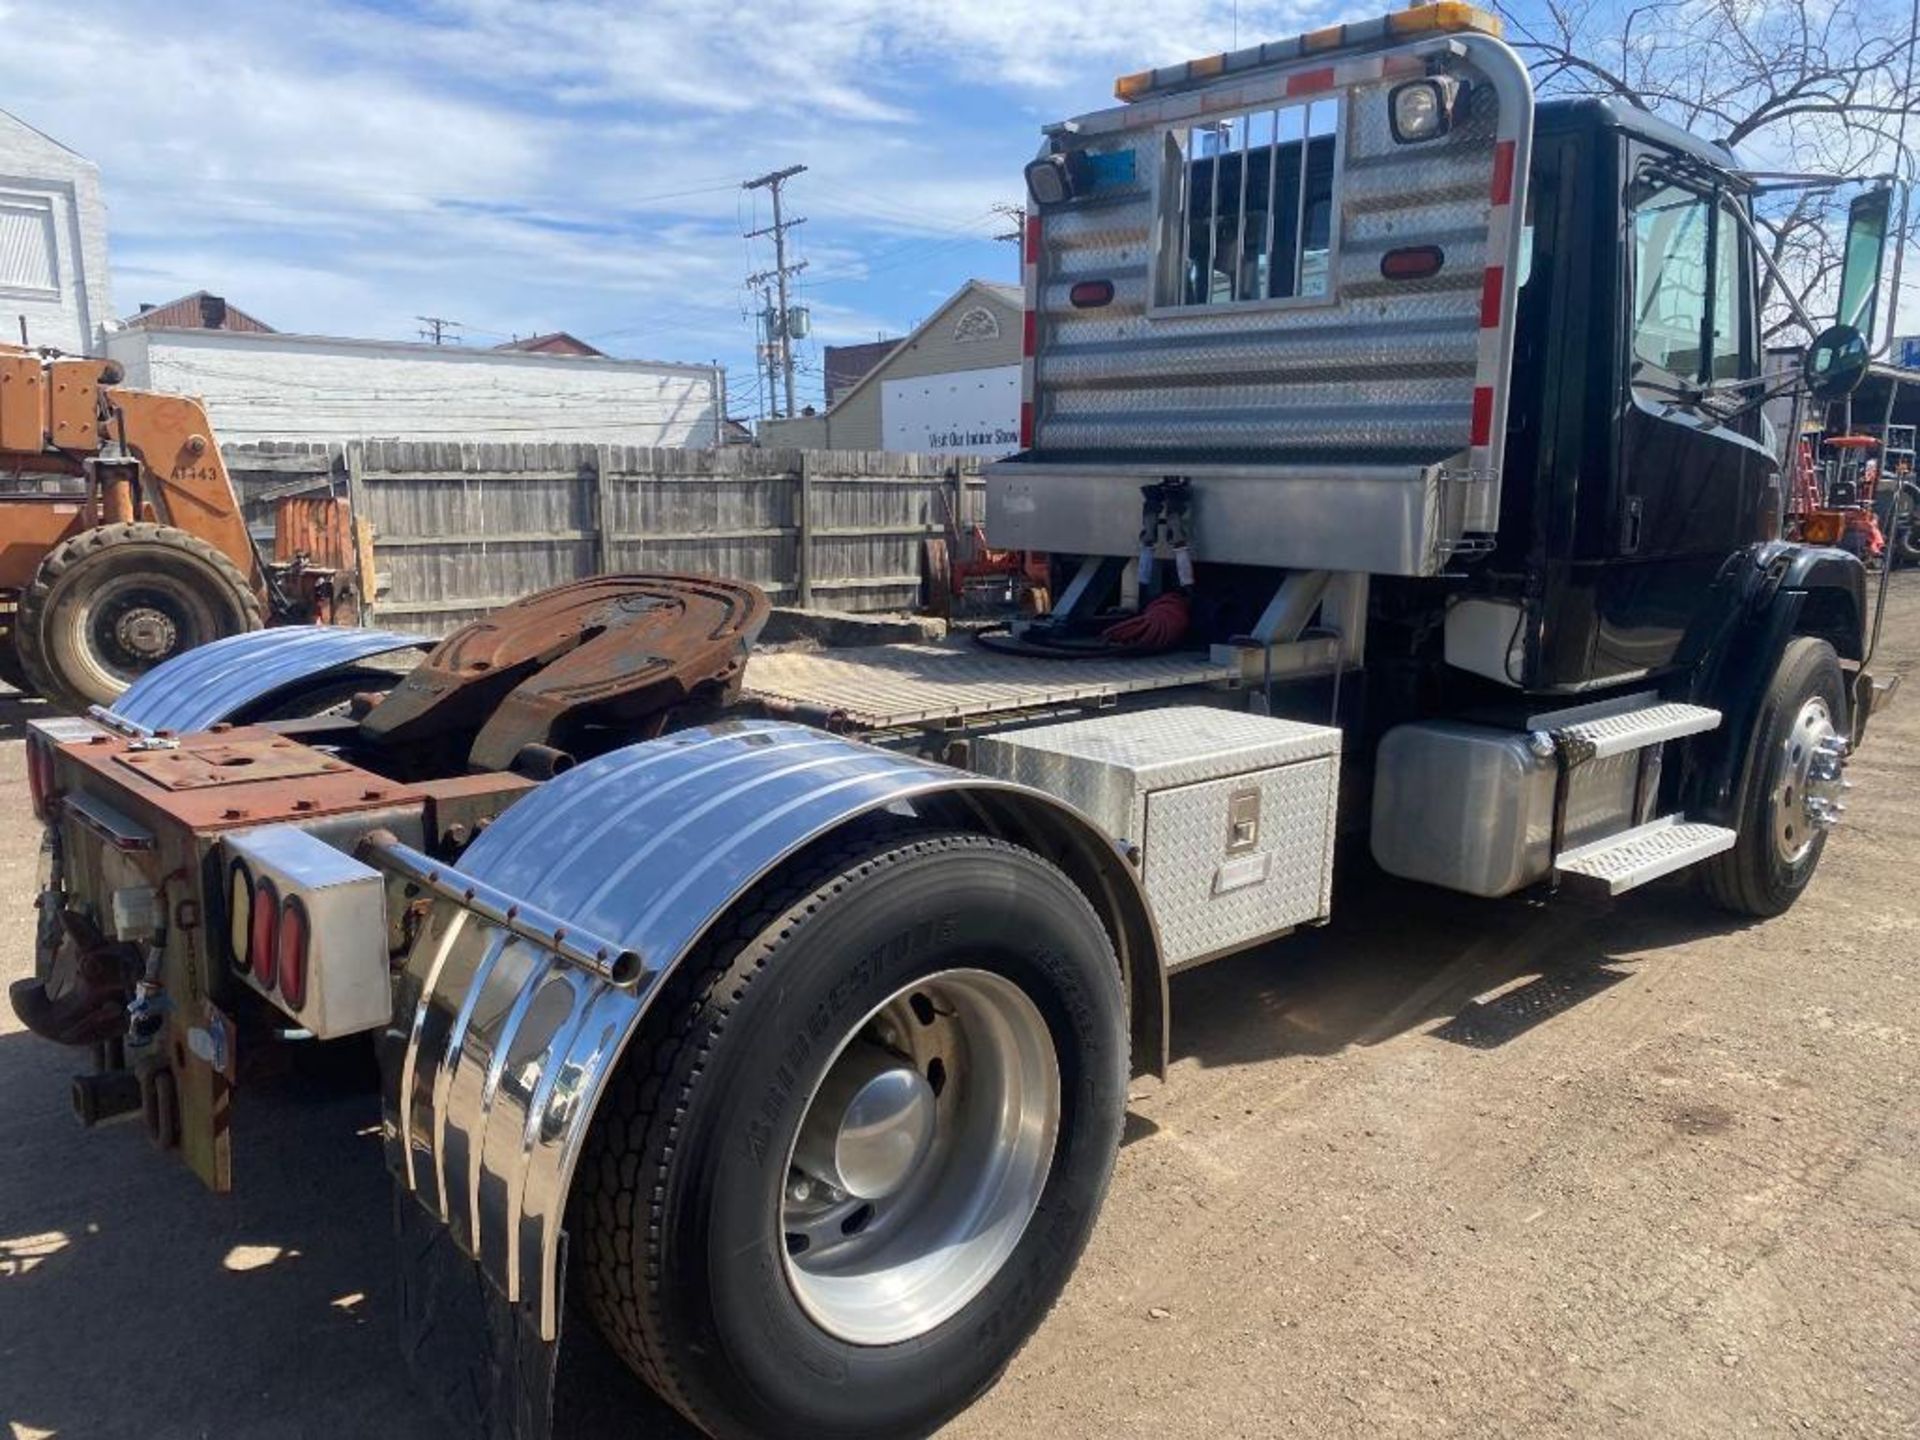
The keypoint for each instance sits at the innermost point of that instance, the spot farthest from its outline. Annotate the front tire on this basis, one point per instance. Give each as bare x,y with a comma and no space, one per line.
913,1051
1789,783
111,603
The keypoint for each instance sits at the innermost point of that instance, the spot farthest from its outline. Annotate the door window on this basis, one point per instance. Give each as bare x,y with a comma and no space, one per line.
1670,280
1728,286
1689,308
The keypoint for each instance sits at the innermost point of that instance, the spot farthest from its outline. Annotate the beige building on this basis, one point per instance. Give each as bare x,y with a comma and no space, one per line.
951,387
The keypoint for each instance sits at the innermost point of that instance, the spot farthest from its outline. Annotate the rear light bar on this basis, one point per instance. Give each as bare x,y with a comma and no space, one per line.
307,928
1440,17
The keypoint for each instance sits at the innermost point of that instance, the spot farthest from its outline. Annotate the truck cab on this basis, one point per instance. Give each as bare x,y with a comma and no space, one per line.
1425,383
1398,448
1631,481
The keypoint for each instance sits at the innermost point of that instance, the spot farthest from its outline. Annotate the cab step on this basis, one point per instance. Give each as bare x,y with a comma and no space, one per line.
1616,734
1619,863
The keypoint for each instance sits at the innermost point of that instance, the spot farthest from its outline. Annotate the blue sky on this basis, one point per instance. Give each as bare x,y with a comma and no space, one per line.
526,165
342,166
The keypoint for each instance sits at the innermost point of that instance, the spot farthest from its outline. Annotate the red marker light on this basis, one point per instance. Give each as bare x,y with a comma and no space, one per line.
1413,262
263,934
292,948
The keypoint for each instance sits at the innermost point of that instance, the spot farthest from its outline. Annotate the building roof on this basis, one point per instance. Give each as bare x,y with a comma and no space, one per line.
465,354
556,342
1010,295
198,311
847,365
35,129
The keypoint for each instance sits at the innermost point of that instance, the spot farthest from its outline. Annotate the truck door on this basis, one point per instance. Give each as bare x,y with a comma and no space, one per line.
1692,472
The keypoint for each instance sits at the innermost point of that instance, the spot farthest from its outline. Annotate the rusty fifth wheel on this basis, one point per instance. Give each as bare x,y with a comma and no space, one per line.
853,1158
615,651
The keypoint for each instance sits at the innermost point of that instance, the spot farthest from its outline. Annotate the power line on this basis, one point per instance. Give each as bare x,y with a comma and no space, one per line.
437,327
777,325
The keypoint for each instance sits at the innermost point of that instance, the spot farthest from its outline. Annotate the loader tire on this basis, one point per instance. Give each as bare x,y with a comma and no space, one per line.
111,603
1779,843
943,975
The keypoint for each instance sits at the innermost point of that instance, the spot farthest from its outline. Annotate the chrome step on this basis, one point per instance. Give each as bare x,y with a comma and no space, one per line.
1621,862
1606,735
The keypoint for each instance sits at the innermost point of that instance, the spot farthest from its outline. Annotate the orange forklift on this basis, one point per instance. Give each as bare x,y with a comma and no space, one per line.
123,542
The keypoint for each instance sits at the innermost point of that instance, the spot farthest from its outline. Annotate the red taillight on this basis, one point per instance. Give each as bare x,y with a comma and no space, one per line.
263,934
39,775
1412,262
1091,294
292,946
1026,425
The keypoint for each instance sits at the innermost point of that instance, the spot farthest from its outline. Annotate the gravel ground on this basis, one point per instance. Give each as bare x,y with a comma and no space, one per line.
1444,1167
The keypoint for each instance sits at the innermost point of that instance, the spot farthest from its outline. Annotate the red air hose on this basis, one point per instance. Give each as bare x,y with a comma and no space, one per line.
1160,626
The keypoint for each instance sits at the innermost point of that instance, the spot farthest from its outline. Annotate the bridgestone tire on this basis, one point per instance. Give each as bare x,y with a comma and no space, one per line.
62,628
1752,878
677,1204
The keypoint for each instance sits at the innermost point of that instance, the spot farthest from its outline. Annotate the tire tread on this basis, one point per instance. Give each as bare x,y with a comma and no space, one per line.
29,636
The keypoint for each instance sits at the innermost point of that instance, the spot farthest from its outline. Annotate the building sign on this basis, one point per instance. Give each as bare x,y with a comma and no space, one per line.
964,412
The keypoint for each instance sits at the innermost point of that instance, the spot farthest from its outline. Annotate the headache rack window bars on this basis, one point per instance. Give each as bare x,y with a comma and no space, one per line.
1252,199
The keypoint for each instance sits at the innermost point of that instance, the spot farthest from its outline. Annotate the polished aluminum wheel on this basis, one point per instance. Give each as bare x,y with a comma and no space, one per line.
921,1158
1806,800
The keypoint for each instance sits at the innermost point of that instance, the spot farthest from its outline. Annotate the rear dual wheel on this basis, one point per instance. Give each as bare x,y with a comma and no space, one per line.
111,603
853,1160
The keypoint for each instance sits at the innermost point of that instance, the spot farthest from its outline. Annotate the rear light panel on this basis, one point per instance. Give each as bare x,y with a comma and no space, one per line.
313,936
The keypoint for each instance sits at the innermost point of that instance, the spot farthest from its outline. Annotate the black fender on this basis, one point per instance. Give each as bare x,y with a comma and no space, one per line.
1762,597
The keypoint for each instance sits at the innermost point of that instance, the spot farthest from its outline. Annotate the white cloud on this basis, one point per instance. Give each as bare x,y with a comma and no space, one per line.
341,167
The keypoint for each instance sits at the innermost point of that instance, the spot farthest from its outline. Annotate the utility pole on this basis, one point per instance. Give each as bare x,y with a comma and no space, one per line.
771,182
1016,215
437,328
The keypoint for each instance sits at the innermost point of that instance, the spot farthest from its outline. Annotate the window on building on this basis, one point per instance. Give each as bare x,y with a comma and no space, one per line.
26,245
1251,198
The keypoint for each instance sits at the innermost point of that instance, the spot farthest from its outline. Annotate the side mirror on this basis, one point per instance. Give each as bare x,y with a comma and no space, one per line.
1835,363
1860,263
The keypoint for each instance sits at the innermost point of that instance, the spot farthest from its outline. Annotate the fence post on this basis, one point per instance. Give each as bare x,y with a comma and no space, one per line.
602,463
803,548
366,556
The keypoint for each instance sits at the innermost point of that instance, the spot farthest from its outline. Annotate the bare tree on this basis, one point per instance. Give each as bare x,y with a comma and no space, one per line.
1801,85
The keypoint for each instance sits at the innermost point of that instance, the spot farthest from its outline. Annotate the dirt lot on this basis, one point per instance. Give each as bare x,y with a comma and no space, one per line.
1444,1167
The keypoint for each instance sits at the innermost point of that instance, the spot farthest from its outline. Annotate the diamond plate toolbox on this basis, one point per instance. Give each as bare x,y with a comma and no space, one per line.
1230,816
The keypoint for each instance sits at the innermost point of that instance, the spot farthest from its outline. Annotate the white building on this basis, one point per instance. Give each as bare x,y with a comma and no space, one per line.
952,387
269,386
53,242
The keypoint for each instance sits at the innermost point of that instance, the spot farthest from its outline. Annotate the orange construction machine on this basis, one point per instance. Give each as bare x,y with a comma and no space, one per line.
123,542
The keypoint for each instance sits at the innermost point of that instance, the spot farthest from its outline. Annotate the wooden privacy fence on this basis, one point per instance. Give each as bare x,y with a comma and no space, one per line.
462,528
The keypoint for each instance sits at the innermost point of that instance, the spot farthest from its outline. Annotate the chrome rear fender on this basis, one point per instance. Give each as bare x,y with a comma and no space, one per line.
501,1046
